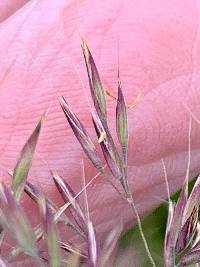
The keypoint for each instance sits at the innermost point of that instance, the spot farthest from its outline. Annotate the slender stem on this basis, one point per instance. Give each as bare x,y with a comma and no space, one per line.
131,202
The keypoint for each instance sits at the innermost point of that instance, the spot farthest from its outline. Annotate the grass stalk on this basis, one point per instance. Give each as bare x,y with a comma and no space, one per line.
136,214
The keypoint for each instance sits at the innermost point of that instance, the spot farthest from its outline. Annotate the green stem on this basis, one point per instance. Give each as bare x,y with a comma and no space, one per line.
131,202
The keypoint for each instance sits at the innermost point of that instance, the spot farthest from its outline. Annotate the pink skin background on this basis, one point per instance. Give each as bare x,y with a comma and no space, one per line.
158,46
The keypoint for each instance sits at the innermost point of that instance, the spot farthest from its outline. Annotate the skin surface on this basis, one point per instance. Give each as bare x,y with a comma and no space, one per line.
8,7
157,43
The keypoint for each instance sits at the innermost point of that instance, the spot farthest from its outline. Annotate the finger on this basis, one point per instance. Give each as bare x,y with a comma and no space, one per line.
157,50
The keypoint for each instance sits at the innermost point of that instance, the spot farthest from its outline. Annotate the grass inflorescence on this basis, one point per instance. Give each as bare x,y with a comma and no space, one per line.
182,242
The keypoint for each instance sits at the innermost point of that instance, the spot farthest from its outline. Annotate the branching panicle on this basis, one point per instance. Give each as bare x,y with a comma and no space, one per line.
182,238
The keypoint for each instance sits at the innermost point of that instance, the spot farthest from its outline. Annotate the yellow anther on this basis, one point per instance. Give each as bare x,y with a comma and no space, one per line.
136,101
102,137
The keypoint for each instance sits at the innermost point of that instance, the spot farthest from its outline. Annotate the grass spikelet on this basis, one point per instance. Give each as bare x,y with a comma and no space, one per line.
194,199
168,249
107,149
69,196
175,227
192,257
182,246
177,221
25,161
96,87
14,221
92,245
122,132
187,232
121,121
82,135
